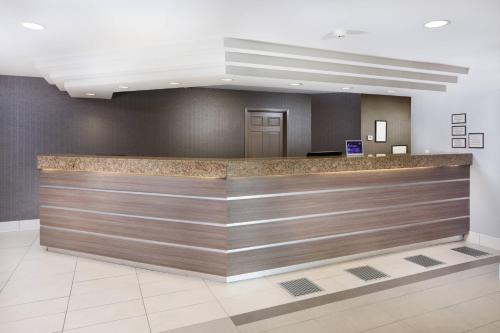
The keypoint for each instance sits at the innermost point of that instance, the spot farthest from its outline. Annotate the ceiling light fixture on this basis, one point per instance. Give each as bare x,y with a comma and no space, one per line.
32,26
122,87
174,83
436,24
90,94
391,91
347,88
227,79
295,84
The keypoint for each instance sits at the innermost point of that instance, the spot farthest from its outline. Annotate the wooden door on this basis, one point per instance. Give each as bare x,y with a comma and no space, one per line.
264,134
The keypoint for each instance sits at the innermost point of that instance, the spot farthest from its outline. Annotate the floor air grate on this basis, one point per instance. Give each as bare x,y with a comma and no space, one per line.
367,273
300,287
470,251
424,261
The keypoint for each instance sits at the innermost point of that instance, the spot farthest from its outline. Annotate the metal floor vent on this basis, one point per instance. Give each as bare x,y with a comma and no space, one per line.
367,273
470,251
424,261
300,287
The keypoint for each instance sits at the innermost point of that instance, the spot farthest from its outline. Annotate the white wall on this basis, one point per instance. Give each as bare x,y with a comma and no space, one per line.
478,95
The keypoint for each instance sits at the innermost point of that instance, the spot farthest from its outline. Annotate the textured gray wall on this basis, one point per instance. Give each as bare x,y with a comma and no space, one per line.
35,118
335,118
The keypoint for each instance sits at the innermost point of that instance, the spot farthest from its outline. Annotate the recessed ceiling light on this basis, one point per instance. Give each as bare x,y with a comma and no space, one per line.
174,83
90,94
391,91
347,88
122,87
227,79
32,26
295,84
437,24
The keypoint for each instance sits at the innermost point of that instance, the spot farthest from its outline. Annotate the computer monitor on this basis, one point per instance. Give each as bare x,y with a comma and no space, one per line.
354,148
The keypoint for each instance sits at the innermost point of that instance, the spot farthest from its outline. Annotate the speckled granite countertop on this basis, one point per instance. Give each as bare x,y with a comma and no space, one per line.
221,168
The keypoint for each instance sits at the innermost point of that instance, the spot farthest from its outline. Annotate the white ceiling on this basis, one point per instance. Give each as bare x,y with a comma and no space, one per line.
76,29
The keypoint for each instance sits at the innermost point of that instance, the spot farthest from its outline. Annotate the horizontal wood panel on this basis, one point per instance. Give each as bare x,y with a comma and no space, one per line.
282,184
298,205
161,231
136,183
134,204
154,254
269,233
282,256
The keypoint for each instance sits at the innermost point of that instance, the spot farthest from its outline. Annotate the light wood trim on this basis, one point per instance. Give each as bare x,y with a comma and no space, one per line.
154,254
268,258
269,233
339,180
138,205
211,187
299,205
161,231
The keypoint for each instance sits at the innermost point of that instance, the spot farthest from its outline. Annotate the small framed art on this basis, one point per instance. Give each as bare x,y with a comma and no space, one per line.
458,118
380,130
458,130
399,149
458,143
476,140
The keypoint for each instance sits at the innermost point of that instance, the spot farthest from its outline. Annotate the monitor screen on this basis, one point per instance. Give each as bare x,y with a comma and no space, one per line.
354,147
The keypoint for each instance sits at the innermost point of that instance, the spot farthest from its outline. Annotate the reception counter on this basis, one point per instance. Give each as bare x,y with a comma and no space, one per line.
234,219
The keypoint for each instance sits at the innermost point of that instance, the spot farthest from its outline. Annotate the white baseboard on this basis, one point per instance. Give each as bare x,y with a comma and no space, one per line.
29,224
484,240
10,226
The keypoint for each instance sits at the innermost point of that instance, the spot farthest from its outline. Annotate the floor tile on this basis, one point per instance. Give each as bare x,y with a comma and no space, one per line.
224,325
104,291
190,315
393,328
28,290
275,322
88,269
305,326
490,328
356,320
478,312
102,314
177,299
255,300
44,324
130,325
51,265
126,281
168,283
31,310
443,320
224,290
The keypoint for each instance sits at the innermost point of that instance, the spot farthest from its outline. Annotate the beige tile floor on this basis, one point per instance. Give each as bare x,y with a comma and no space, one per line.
48,292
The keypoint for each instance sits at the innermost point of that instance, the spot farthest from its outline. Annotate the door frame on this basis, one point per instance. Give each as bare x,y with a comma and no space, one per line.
285,113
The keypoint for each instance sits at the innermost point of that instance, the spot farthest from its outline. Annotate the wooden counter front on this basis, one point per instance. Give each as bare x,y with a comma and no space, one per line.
234,227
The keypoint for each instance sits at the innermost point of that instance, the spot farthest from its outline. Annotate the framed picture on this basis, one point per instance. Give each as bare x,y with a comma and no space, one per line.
458,143
399,149
458,118
380,130
458,130
476,140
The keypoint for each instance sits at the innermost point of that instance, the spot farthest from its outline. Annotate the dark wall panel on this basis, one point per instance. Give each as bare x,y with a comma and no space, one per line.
396,111
334,119
36,118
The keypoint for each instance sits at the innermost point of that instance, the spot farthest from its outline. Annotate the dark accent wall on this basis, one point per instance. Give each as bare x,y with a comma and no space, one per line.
396,111
335,118
36,118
